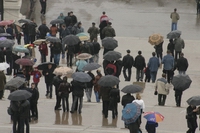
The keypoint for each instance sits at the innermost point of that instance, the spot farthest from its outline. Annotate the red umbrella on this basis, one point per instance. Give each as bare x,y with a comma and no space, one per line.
6,22
24,62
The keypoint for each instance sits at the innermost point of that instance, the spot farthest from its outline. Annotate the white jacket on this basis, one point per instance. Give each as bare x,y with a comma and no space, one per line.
162,86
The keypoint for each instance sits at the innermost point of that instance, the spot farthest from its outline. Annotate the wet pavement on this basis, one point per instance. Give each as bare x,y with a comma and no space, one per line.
133,22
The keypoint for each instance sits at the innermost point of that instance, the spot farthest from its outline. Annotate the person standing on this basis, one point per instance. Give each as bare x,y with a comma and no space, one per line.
56,82
57,49
73,18
2,83
36,76
153,66
34,101
170,46
64,31
16,67
43,29
9,60
159,50
191,117
93,31
89,86
108,31
175,17
43,51
70,54
128,63
79,28
43,4
168,62
102,25
182,64
25,29
32,31
14,108
139,64
114,100
96,85
9,30
179,44
103,17
97,48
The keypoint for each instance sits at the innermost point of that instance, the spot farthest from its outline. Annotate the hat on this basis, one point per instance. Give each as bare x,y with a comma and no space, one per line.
128,51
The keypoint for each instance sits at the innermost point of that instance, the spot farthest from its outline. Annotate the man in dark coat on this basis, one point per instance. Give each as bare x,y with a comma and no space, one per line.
178,96
14,107
16,67
9,60
32,31
170,46
114,100
128,63
191,117
2,57
33,101
97,48
56,82
89,86
25,29
159,50
108,31
43,29
68,19
102,25
64,31
73,18
43,4
182,64
139,65
57,49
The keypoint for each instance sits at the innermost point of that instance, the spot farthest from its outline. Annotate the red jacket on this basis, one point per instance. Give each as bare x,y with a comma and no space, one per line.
43,48
36,76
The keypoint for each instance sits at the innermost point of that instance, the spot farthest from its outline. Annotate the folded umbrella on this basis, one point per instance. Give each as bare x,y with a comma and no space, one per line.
4,66
173,34
81,77
132,89
84,56
15,83
108,80
64,71
19,95
53,39
24,21
194,100
181,82
131,112
83,36
57,21
44,66
153,116
112,56
109,43
4,35
6,43
155,39
71,40
24,62
39,41
91,66
20,49
6,22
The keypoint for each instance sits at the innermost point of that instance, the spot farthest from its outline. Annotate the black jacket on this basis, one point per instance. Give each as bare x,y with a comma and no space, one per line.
115,95
25,29
24,109
90,84
128,61
170,46
128,98
191,117
35,96
139,62
119,65
48,78
182,64
159,48
74,19
97,47
32,30
43,31
68,20
105,93
65,32
77,88
15,57
9,55
57,48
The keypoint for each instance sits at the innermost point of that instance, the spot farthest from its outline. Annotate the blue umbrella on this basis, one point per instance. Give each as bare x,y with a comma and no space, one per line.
131,112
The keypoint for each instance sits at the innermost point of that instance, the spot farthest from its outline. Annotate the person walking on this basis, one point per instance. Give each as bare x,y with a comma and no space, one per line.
14,112
182,64
114,100
9,60
25,29
78,28
128,63
179,44
64,31
32,31
102,25
168,63
73,18
103,17
56,82
159,50
80,64
16,67
57,50
178,96
139,64
89,86
108,31
34,101
96,85
151,126
43,4
36,76
93,31
153,66
175,17
97,48
171,46
191,117
43,29
53,30
2,83
43,51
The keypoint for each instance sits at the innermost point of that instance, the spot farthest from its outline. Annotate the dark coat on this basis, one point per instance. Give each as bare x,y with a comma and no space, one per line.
57,81
191,117
65,32
101,26
8,55
48,78
96,85
25,29
106,50
35,96
74,19
170,47
43,31
32,30
57,48
2,57
15,57
114,95
182,64
2,30
128,61
159,48
90,84
68,20
2,80
78,88
105,93
119,65
14,106
128,98
139,62
97,47
65,89
151,127
24,109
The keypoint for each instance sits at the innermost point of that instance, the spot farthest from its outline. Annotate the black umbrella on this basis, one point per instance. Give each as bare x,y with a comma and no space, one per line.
173,34
57,21
81,77
194,100
24,21
112,55
19,95
71,40
44,66
109,43
4,35
53,39
91,66
132,89
108,80
14,83
181,82
6,43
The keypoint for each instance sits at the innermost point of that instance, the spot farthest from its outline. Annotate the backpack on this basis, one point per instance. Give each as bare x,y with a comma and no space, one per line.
111,69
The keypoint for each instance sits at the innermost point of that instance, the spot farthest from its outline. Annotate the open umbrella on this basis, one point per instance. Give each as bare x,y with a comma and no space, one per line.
20,49
194,100
108,80
6,43
24,62
153,116
155,39
84,56
131,112
2,38
57,21
4,35
14,83
71,40
132,89
19,95
83,36
44,65
64,71
181,82
39,41
4,66
6,22
109,43
112,55
24,21
91,66
81,77
173,34
52,39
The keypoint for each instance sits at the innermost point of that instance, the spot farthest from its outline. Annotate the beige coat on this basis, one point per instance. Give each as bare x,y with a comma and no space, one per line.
162,87
175,17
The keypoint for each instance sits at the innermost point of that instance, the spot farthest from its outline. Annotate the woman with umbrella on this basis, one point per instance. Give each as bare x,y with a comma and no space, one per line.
96,85
43,51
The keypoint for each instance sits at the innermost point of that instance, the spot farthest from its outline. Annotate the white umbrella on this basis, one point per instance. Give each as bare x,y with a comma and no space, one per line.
4,66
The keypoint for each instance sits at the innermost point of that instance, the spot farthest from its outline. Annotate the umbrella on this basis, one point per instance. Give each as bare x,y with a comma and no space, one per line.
132,89
20,49
24,62
173,34
112,55
4,35
64,71
6,43
71,40
108,80
24,21
15,83
81,77
39,41
181,82
91,66
44,66
6,22
109,43
194,100
83,36
155,39
52,39
57,21
2,38
153,116
131,112
4,66
19,95
84,56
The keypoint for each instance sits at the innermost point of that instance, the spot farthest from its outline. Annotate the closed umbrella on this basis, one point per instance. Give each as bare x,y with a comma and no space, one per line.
71,40
6,22
132,89
153,116
81,77
15,83
84,56
64,71
19,95
83,36
109,43
44,66
4,66
194,100
108,80
173,34
24,21
91,66
53,39
155,39
112,56
24,62
39,41
181,82
20,49
4,35
57,21
6,43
